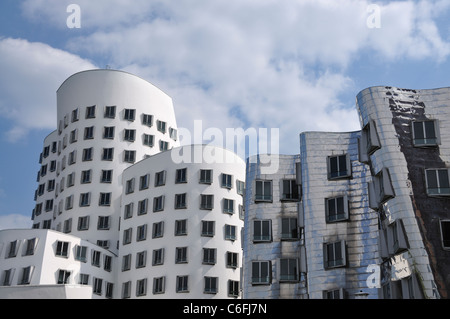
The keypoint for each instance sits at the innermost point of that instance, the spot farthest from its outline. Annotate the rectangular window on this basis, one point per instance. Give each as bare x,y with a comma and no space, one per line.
7,277
262,230
142,207
233,288
240,187
83,279
147,120
289,229
110,112
180,201
339,166
126,262
263,191
141,259
97,287
437,181
208,228
149,140
126,290
158,257
158,230
425,133
205,176
227,181
81,253
232,259
62,249
63,277
333,294
75,116
96,256
261,272
129,115
181,176
336,209
128,211
88,153
129,156
290,190
209,256
163,146
161,126
141,233
158,204
90,112
334,254
182,284
207,202
289,270
109,290
105,199
106,176
83,223
129,186
445,233
26,275
181,255
160,178
127,233
211,285
103,222
181,227
173,133
30,247
158,285
108,132
85,199
129,135
73,136
228,206
89,133
230,232
86,176
144,182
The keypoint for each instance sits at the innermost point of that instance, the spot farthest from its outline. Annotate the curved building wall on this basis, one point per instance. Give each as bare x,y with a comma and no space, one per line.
396,123
167,249
107,121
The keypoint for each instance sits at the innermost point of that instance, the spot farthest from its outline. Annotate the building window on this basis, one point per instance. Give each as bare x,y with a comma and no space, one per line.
158,285
30,247
127,233
89,133
369,142
211,285
97,287
289,270
86,176
75,115
181,227
108,132
129,186
81,253
240,187
437,181
289,229
339,166
144,182
380,189
263,191
141,233
161,126
262,230
261,272
158,203
227,181
62,249
182,284
141,259
27,272
106,176
290,190
63,277
126,262
163,146
149,140
230,232
103,222
96,255
158,230
207,202
8,276
205,176
142,207
85,199
445,233
83,279
228,206
233,288
129,156
88,154
232,260
181,255
158,257
425,133
109,290
129,115
180,201
67,226
73,136
110,112
173,133
126,290
208,228
209,256
336,209
181,176
83,223
147,120
141,287
333,294
334,254
90,112
160,178
105,199
129,135
128,211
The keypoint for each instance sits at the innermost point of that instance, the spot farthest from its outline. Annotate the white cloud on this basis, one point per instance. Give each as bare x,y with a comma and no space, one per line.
31,74
15,221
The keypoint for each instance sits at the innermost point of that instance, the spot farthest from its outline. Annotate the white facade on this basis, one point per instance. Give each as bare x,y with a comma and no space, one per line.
39,263
107,121
181,225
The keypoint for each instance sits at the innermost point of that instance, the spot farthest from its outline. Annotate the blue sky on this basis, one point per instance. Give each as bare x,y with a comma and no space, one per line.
296,65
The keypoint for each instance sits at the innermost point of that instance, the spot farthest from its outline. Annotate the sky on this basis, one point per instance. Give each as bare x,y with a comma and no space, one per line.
293,65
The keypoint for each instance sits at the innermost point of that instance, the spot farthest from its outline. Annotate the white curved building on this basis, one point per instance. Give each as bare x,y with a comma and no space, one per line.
181,221
107,121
